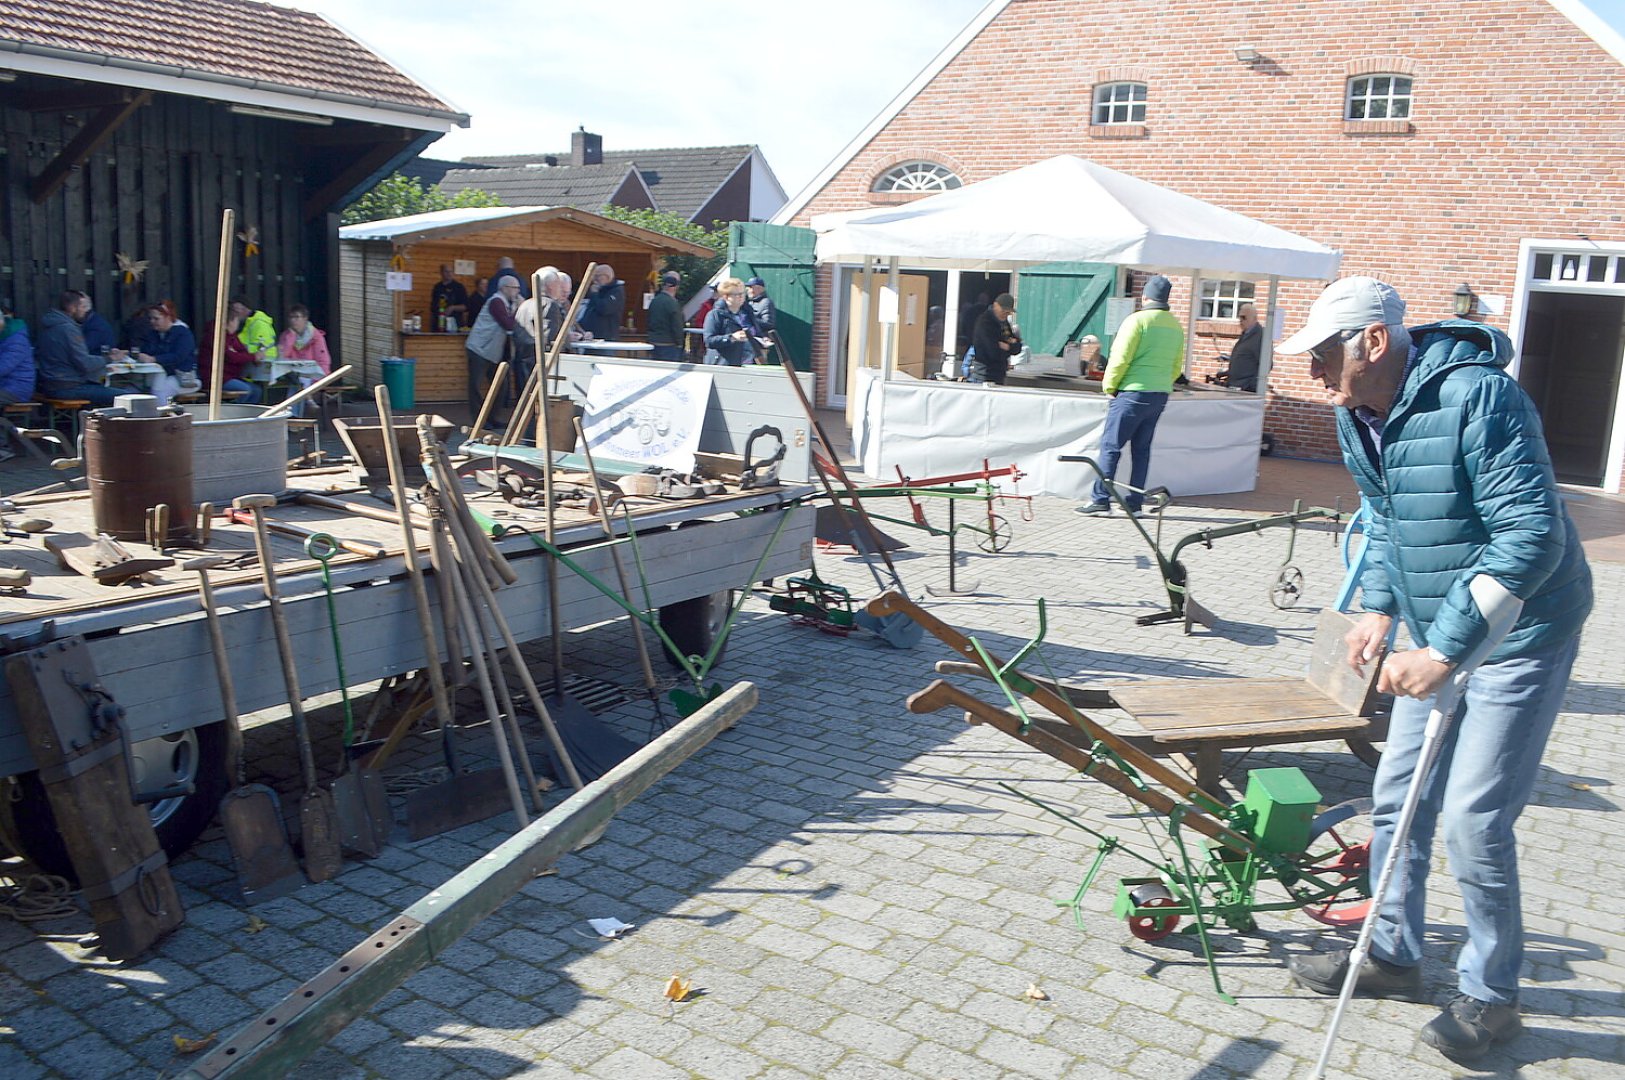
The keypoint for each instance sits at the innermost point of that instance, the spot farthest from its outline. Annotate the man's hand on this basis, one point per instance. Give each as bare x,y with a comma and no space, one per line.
1368,640
1413,673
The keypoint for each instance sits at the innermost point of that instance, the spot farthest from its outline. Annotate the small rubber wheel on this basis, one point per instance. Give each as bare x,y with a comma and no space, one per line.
1152,927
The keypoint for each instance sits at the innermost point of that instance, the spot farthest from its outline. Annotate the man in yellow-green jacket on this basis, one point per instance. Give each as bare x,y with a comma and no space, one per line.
1147,357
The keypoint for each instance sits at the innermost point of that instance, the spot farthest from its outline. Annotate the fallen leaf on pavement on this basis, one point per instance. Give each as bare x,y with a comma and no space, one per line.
256,924
1034,993
678,988
191,1046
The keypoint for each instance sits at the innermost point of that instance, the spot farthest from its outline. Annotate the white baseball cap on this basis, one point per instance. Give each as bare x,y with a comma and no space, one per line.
1352,303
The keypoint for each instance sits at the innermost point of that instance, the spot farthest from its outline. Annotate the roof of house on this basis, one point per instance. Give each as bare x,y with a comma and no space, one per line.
466,220
218,41
586,186
682,179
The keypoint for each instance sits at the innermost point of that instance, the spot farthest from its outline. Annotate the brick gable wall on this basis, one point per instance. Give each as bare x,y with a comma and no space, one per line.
1517,130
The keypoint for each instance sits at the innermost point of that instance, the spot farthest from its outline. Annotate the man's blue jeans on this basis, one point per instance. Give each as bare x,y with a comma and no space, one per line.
1131,419
1487,766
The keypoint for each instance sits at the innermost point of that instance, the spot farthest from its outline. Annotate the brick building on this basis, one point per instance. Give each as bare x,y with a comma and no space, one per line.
1436,147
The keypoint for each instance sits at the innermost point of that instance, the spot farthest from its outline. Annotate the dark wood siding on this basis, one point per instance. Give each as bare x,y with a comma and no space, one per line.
155,190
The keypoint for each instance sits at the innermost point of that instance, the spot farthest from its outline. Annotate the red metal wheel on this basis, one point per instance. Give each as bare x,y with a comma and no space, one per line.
1336,889
1152,927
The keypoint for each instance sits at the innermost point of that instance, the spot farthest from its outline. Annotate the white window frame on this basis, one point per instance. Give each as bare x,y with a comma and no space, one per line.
1362,89
1221,299
909,177
1121,102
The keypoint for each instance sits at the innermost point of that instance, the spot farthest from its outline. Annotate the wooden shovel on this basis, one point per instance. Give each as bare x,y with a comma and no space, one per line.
250,814
318,818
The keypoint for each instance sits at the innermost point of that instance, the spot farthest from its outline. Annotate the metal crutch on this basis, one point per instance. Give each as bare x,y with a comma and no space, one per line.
1500,610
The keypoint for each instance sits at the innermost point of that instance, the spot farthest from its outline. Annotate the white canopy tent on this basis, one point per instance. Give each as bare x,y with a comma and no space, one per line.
1065,209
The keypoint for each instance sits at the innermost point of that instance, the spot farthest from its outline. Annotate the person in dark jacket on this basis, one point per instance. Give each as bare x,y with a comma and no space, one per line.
65,368
666,319
728,328
762,309
99,336
994,341
605,305
16,361
1450,456
1245,353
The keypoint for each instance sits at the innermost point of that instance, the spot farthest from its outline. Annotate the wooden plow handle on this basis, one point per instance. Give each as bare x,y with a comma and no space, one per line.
942,694
889,603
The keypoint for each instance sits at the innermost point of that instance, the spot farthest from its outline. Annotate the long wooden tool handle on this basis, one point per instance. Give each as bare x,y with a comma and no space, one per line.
222,670
534,395
355,547
649,681
314,388
414,572
942,694
1081,697
327,502
492,392
217,348
891,603
284,649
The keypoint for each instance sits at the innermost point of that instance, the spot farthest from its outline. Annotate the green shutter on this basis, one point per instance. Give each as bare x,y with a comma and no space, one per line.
782,256
1061,302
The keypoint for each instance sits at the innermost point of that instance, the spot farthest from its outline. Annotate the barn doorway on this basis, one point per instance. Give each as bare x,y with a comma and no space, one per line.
1572,347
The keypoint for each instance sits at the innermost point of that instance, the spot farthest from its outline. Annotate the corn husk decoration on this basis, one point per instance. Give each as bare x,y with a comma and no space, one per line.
131,270
250,236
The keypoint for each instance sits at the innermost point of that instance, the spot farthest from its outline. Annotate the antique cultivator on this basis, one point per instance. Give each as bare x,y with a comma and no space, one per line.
1319,859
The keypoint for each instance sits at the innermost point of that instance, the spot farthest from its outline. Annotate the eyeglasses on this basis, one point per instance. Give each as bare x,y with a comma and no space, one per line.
1325,352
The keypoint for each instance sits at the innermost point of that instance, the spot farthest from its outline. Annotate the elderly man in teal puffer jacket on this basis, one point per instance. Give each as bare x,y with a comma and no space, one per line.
1451,457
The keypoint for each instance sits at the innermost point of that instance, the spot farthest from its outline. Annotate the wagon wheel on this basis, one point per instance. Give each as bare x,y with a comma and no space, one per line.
1288,588
1152,927
1364,749
998,536
1336,888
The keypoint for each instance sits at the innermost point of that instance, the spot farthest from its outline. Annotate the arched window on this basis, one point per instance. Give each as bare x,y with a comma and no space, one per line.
1378,97
1119,103
917,176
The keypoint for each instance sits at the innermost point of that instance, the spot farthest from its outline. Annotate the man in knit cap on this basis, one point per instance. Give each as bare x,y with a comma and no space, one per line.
1148,355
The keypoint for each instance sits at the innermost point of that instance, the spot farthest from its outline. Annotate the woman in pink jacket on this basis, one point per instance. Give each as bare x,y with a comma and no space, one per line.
302,341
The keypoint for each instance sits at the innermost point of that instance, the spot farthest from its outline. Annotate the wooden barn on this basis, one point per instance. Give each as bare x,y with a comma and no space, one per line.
126,129
533,236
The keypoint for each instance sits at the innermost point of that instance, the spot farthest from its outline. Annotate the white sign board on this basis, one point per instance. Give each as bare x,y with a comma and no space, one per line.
1118,308
887,308
647,417
398,281
463,267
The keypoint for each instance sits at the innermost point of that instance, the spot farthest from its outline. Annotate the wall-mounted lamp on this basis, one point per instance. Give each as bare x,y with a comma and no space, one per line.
1248,55
282,114
1466,300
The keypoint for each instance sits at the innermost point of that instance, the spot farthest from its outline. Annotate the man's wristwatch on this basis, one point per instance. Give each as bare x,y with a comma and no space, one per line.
1440,657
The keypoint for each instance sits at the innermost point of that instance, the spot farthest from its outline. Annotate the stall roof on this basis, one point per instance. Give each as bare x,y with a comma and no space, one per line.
1068,209
444,224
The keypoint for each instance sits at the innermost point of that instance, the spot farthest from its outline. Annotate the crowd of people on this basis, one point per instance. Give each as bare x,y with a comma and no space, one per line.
69,357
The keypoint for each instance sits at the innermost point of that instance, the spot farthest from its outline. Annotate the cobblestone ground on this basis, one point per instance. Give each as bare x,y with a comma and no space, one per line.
855,893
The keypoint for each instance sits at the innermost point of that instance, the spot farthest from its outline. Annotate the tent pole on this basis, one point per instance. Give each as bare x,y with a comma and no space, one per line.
1266,347
888,335
1190,323
950,320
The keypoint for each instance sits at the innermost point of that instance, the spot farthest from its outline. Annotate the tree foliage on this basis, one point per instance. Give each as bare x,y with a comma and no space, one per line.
696,270
397,196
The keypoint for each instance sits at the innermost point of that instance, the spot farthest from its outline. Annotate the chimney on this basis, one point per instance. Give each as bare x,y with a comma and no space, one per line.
586,148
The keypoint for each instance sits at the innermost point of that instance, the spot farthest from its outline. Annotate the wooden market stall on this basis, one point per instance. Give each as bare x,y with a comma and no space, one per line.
533,236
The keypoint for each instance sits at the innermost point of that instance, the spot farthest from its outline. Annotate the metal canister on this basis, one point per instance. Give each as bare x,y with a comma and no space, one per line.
136,462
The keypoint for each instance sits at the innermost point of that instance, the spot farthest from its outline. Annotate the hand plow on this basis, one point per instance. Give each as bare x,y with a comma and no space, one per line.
1275,834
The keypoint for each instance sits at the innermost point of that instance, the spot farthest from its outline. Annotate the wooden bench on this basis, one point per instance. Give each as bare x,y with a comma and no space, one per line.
1195,720
1200,718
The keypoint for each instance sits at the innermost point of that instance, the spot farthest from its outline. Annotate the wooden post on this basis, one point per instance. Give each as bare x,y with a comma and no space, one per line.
217,348
272,1043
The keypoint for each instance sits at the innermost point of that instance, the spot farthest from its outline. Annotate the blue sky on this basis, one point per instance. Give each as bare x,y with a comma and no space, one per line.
646,74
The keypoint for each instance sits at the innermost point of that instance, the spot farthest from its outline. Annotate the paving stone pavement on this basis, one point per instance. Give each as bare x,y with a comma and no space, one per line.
856,894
